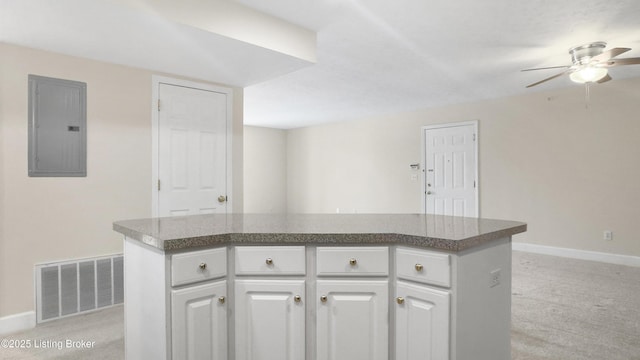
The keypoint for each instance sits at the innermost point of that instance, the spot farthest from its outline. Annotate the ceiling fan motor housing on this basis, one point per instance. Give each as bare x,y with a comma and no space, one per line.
590,63
581,55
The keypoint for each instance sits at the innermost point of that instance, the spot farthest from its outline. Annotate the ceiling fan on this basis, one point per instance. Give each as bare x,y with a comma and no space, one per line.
589,63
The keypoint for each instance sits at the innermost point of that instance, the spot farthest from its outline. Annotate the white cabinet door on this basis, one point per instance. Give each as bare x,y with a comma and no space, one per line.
199,322
422,323
270,319
353,321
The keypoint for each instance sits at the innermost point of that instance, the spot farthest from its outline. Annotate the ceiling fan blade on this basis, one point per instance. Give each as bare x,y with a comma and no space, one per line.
619,62
550,78
604,79
550,67
610,54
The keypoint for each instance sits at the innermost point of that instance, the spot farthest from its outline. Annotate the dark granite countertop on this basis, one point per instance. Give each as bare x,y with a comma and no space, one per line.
428,231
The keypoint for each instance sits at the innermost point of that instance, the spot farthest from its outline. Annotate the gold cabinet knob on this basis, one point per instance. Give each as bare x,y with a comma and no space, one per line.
353,262
400,300
269,261
222,198
323,298
221,299
419,267
203,266
297,298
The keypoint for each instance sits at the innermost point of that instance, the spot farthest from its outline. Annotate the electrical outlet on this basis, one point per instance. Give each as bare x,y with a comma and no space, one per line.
608,235
494,277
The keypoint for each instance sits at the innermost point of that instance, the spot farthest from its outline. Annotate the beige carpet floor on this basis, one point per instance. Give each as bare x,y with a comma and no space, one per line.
563,309
567,309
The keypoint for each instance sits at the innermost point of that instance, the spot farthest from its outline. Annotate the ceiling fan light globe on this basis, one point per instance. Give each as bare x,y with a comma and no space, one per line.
588,74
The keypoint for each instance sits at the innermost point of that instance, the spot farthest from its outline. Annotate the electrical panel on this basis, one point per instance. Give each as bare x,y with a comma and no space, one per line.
57,127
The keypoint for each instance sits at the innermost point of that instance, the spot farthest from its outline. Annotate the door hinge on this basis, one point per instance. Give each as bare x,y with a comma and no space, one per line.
159,110
158,184
474,137
474,184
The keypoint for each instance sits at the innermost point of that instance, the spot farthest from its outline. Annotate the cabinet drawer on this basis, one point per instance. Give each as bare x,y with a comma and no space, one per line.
345,261
424,266
270,260
198,266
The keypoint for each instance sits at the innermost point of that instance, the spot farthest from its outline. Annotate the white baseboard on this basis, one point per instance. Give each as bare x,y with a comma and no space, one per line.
578,254
17,322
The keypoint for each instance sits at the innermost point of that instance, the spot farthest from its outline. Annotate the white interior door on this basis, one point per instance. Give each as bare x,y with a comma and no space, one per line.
451,170
192,145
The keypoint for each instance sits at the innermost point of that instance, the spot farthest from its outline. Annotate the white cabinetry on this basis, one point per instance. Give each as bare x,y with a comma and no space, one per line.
422,311
199,311
199,322
270,260
352,310
422,323
195,305
270,313
352,320
270,318
194,266
353,261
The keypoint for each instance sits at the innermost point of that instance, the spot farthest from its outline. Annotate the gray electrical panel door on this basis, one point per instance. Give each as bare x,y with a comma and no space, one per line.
57,127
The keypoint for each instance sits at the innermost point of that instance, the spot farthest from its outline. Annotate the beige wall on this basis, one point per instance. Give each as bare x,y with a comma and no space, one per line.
50,219
265,169
570,172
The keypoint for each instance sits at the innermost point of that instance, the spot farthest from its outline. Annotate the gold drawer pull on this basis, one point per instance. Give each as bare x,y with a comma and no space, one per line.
419,267
269,261
323,298
203,266
400,300
353,262
297,298
221,299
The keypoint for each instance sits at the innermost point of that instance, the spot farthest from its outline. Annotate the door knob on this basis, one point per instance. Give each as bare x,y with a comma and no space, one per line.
221,299
222,198
400,300
353,262
269,261
419,267
323,298
297,298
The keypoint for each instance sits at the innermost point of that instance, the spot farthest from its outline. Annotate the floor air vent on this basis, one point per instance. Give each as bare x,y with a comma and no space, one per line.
72,287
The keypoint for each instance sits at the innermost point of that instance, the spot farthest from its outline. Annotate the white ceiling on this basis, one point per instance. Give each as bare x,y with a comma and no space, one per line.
373,56
141,33
381,56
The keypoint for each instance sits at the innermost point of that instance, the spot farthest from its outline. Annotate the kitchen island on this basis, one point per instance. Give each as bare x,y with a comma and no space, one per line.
316,287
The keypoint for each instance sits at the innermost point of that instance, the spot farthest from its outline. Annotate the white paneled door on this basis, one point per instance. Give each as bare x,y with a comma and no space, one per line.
192,147
451,170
